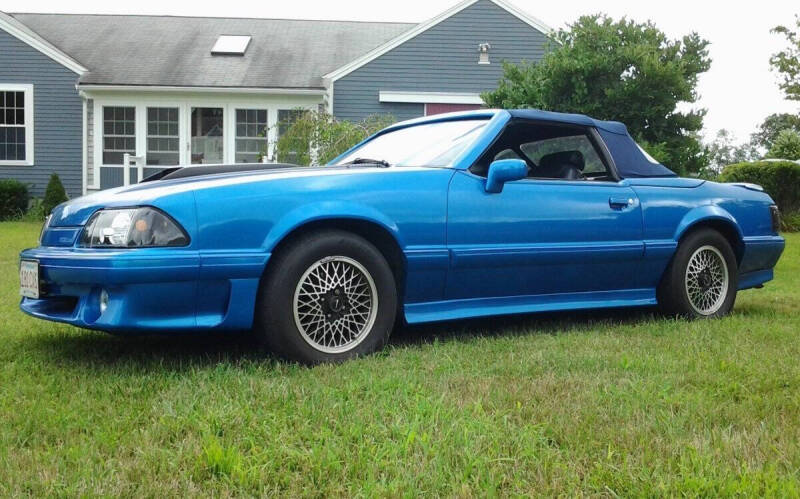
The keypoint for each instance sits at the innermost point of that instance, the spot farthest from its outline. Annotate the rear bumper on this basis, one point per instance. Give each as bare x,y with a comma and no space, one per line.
760,255
149,290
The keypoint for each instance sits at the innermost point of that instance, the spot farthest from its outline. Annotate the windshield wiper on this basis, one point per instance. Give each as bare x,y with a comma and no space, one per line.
368,161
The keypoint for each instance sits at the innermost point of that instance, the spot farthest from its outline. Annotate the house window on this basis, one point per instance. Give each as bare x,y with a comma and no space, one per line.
162,136
251,135
287,117
119,133
16,124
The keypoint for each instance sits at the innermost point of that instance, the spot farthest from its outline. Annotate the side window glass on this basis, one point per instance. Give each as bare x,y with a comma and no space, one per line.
571,157
552,151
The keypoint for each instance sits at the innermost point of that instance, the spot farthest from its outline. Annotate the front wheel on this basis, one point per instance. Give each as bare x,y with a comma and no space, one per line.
327,297
701,281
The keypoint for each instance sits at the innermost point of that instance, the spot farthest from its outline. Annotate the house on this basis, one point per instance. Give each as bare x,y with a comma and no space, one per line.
83,95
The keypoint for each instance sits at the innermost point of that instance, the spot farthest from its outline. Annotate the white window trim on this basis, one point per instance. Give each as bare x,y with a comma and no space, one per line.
230,103
430,97
29,112
270,125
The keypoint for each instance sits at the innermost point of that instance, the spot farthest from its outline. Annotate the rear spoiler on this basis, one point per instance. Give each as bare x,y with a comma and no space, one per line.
749,186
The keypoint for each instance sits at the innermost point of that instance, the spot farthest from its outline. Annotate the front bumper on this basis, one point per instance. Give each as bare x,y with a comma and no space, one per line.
149,290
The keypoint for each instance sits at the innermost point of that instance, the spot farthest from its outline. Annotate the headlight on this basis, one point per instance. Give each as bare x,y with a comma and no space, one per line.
132,228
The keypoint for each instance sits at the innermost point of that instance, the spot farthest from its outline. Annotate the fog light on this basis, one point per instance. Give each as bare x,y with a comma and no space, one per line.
103,300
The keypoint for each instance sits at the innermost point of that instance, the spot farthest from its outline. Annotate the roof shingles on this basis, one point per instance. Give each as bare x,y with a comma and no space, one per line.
176,51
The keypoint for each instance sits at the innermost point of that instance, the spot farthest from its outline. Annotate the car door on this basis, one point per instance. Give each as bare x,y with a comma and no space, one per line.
543,235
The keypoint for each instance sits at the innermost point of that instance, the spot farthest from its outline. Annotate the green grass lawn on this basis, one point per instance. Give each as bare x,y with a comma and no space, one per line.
602,403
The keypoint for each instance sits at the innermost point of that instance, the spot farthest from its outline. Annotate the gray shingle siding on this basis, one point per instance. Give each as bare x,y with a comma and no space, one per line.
57,116
442,59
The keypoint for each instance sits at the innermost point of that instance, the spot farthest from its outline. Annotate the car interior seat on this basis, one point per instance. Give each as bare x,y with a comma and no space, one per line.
566,165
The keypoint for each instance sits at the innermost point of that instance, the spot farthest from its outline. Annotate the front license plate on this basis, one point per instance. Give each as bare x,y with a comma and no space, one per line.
29,278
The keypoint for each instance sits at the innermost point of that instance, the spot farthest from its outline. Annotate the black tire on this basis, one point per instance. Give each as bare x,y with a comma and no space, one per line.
673,293
277,324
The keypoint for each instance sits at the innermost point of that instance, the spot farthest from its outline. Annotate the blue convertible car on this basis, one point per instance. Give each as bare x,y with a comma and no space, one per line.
459,215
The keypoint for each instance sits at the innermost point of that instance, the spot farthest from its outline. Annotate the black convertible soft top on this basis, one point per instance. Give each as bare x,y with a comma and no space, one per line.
630,159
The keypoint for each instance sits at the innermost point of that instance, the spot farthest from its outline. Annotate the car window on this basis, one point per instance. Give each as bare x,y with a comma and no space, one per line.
552,151
535,151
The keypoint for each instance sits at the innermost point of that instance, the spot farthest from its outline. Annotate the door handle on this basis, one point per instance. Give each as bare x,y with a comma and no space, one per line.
620,202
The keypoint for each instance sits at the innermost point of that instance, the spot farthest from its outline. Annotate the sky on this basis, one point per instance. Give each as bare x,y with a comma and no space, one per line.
739,90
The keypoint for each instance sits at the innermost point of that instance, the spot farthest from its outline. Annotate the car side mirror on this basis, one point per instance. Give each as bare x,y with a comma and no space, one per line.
504,170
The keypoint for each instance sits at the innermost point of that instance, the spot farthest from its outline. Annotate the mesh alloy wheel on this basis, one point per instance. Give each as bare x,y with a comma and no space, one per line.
707,280
335,304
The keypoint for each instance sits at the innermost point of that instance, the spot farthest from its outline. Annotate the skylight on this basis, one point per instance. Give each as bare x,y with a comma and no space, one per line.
231,45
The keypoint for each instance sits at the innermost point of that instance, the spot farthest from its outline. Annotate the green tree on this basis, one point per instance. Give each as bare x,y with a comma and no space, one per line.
724,151
315,138
619,70
773,125
54,194
787,61
786,146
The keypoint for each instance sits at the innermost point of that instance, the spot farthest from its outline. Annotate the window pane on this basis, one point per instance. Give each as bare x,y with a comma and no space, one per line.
12,126
287,117
251,135
119,134
162,136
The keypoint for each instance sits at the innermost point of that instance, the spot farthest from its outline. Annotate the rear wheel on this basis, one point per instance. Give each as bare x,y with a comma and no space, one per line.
327,297
701,281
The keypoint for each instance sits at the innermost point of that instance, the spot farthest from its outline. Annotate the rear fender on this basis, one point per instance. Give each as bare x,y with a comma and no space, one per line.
705,214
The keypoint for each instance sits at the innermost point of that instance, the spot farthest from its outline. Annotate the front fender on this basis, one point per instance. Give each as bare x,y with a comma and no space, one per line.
328,210
703,214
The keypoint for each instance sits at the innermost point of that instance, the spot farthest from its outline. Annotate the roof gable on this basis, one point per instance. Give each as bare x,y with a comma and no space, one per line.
423,27
23,33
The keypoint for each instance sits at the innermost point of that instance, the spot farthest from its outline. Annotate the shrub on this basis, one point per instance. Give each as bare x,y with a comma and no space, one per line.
13,199
781,180
315,138
54,195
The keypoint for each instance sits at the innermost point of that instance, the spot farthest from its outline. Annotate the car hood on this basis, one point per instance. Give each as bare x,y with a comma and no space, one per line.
77,211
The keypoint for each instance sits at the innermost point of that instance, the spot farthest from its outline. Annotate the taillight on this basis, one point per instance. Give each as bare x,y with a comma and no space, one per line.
776,218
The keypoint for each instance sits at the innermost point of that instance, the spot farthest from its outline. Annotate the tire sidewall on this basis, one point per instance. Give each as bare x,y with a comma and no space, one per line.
679,294
276,302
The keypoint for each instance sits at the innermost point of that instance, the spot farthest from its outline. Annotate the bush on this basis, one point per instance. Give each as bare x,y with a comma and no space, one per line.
790,222
54,195
315,138
781,180
13,199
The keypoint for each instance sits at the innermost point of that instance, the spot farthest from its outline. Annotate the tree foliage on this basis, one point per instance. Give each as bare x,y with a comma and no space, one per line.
316,137
786,146
724,151
787,61
619,70
773,125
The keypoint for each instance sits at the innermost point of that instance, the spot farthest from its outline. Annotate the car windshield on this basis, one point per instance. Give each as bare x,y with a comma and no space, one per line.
432,144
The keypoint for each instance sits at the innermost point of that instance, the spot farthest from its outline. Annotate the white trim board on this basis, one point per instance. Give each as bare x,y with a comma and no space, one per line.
430,97
18,30
88,87
423,27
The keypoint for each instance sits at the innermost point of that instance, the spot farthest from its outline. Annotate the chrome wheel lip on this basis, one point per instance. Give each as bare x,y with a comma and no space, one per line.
365,327
706,260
